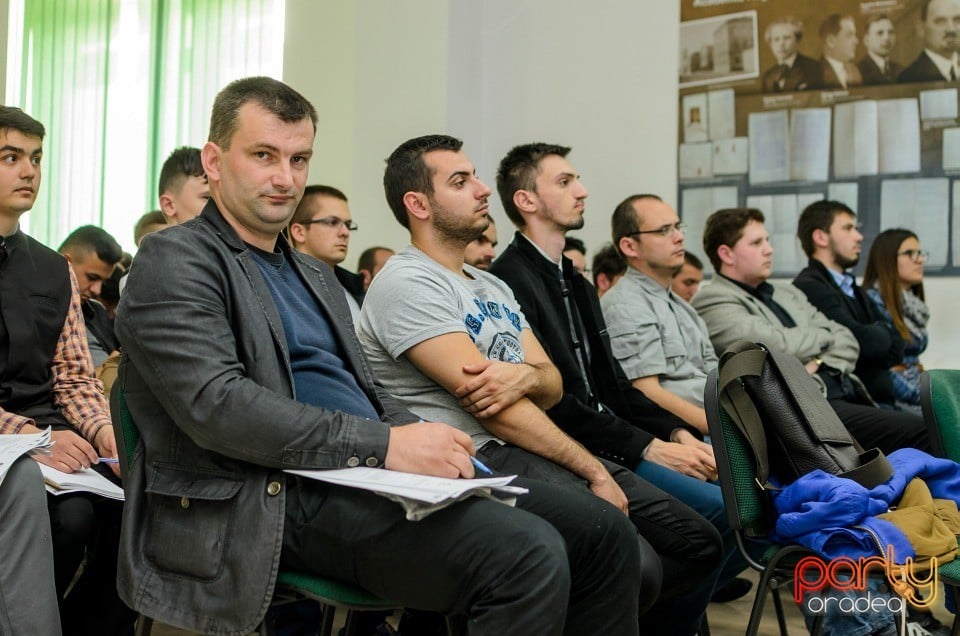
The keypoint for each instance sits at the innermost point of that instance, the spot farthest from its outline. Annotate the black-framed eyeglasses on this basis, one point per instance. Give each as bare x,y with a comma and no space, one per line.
915,255
667,231
333,223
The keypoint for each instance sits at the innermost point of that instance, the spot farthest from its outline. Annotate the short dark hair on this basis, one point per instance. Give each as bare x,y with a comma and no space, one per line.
183,163
110,288
154,217
573,243
369,257
818,216
90,239
831,26
873,19
518,171
406,170
273,95
12,118
689,258
301,213
609,261
725,227
624,220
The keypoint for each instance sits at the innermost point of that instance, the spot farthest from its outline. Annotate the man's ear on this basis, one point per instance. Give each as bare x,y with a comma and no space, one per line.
69,258
416,204
627,247
366,277
525,201
298,233
820,238
210,157
725,252
166,206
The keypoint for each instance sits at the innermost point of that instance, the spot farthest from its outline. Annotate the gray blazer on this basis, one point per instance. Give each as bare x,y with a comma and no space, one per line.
731,314
206,375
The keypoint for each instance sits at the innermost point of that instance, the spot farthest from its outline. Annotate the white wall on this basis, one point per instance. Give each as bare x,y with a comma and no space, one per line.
599,76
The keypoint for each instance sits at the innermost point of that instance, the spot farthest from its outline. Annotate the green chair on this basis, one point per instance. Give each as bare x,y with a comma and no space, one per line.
940,403
291,586
749,511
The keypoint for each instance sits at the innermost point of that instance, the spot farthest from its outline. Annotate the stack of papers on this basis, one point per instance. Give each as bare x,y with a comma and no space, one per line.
419,495
13,446
85,480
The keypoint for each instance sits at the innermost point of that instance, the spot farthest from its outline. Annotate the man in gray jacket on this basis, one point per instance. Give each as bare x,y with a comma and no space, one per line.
739,304
269,376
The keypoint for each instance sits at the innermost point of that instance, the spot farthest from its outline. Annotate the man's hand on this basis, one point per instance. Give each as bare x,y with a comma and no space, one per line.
495,386
812,366
69,452
694,460
430,448
607,489
106,443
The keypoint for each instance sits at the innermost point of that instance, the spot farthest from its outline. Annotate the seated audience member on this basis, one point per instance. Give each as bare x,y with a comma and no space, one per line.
658,339
894,283
147,224
739,303
183,186
208,457
110,289
608,268
481,251
686,281
452,341
321,227
27,590
371,262
94,255
600,409
576,251
47,381
829,236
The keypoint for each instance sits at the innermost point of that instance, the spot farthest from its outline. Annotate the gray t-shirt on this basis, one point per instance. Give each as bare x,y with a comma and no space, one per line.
653,332
414,299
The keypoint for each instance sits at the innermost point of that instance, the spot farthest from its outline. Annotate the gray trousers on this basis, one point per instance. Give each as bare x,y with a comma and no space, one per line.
28,596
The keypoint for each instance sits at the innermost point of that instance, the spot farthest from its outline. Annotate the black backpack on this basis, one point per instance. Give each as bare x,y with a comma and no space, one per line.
787,422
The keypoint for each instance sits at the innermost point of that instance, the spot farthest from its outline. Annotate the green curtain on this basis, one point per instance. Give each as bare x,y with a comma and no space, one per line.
119,84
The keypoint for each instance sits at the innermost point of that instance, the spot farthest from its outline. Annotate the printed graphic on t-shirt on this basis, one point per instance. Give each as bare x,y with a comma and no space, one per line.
505,348
489,310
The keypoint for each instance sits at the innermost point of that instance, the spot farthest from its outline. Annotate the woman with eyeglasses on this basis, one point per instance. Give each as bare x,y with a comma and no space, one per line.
894,281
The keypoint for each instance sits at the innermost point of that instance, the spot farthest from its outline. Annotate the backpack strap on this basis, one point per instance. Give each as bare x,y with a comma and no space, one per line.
745,359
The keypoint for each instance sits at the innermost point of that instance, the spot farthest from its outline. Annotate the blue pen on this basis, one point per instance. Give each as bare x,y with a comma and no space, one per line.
108,460
479,465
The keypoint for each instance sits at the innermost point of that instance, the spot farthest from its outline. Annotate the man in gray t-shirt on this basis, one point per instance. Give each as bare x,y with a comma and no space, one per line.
451,341
658,338
415,299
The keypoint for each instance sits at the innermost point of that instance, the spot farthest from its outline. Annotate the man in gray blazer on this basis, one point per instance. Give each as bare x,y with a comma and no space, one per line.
739,304
240,361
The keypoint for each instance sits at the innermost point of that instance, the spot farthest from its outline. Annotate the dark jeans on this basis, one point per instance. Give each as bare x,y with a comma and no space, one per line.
689,547
887,430
560,562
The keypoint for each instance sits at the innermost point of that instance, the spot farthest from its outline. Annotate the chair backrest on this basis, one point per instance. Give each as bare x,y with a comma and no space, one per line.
940,402
747,505
124,427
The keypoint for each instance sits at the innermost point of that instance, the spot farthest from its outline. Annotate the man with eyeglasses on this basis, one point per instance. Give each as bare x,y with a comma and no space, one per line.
544,197
830,237
321,227
740,304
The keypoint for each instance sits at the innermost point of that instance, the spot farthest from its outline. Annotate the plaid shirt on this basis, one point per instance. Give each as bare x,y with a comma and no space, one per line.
76,391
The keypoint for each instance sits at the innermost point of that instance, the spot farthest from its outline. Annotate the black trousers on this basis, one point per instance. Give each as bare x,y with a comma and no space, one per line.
881,428
688,545
560,562
87,527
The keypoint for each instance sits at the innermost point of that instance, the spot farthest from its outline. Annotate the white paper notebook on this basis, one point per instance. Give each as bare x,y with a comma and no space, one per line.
86,480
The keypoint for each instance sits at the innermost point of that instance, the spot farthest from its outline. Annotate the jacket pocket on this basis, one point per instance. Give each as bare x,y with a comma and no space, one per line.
191,513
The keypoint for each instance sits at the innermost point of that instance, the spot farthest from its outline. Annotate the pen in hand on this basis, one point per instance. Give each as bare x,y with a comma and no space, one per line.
479,465
107,460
